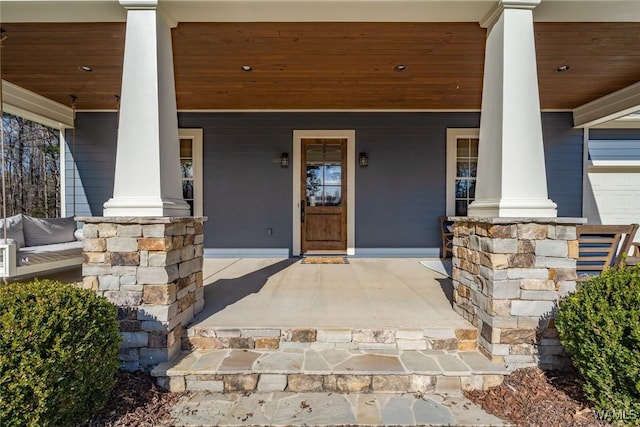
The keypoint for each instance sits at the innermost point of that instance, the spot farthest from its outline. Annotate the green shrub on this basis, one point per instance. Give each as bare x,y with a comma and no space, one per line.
58,353
599,326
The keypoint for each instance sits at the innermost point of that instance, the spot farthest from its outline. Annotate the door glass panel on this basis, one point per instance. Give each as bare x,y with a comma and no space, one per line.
314,154
314,196
333,195
333,174
324,174
314,185
314,175
333,154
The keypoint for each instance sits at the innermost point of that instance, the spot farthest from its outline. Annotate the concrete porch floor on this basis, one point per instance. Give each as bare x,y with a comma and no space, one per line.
366,293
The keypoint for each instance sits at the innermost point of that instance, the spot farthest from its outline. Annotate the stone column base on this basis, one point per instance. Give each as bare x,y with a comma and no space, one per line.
151,268
508,274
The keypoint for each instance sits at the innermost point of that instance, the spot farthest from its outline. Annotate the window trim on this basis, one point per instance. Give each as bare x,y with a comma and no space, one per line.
453,134
195,135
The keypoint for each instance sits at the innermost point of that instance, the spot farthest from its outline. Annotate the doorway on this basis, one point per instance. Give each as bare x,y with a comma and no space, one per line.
324,192
323,199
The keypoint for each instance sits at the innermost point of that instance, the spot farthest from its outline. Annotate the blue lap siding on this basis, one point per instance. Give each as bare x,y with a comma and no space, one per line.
398,197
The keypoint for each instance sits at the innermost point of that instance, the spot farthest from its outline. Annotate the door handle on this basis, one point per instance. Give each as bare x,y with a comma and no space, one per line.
302,205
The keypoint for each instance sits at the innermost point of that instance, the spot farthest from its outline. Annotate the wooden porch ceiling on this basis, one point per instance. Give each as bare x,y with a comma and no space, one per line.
320,65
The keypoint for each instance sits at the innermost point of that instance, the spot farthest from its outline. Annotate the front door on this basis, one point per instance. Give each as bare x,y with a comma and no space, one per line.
323,207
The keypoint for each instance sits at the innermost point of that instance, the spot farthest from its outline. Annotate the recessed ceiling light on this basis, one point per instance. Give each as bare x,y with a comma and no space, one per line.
399,68
247,68
563,68
85,68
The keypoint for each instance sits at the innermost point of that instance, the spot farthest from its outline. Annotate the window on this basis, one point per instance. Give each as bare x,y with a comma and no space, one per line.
191,168
324,174
462,167
186,170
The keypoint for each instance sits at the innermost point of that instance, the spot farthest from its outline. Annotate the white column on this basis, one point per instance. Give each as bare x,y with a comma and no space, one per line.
147,176
511,179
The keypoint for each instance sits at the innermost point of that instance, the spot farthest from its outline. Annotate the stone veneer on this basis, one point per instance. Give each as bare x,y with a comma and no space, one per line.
151,268
508,274
447,339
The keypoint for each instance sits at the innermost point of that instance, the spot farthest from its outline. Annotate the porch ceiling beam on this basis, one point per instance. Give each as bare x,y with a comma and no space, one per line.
24,103
608,108
317,10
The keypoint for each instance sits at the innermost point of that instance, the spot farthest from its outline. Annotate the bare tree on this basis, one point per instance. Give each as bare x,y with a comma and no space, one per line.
31,168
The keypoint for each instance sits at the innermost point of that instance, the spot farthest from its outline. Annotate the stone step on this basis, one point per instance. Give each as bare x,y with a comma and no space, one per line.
453,338
330,370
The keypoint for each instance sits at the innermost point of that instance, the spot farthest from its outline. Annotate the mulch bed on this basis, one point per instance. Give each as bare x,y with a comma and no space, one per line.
531,397
135,401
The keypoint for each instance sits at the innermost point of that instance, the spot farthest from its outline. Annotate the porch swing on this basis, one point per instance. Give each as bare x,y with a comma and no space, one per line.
29,245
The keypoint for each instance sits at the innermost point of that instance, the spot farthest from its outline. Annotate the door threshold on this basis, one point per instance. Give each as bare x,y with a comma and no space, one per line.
324,253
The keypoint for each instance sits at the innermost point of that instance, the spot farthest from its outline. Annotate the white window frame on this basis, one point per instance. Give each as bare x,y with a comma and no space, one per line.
453,135
195,135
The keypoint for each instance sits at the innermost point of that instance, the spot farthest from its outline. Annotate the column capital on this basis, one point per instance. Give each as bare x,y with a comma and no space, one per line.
490,18
151,5
519,4
139,4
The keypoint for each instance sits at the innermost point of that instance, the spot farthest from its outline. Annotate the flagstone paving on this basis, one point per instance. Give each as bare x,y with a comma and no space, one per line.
297,409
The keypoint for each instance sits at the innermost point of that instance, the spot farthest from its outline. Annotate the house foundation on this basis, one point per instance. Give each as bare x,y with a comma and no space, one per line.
151,268
508,275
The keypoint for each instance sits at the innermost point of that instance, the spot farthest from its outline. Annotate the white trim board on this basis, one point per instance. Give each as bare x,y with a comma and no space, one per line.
398,252
608,108
246,252
324,110
284,253
350,136
21,102
312,10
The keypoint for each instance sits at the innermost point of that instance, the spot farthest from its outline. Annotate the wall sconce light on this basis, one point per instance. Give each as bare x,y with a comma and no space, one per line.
284,160
363,160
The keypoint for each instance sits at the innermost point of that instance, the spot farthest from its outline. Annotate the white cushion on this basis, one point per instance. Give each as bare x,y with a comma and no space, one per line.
15,226
47,231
